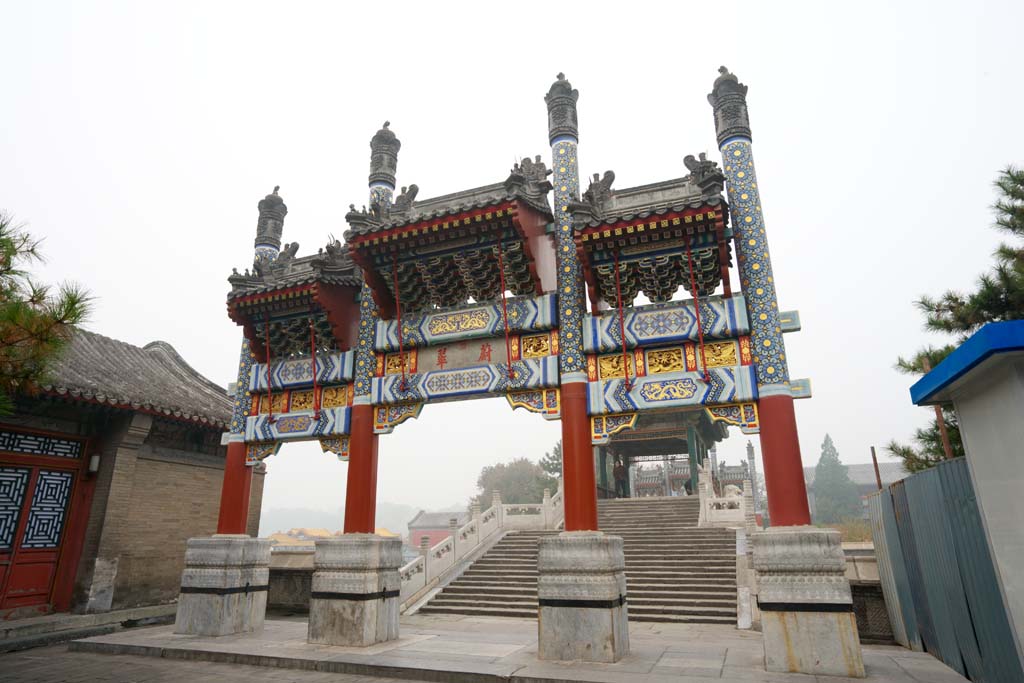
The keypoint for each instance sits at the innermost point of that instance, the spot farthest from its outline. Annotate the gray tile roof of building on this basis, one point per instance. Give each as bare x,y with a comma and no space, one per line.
437,520
152,378
531,192
643,201
286,272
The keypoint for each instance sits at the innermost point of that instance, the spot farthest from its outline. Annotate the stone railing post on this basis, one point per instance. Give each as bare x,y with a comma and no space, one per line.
453,528
546,510
475,512
807,620
749,517
498,509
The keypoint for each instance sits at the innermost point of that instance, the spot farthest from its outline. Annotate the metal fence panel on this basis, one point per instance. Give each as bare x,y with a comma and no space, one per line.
1001,660
950,617
891,572
905,526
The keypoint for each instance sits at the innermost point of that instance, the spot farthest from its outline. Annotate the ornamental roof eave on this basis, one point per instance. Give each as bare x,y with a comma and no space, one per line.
154,379
288,272
531,193
642,202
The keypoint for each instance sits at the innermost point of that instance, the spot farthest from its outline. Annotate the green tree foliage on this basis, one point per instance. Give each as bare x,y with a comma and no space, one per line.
552,461
519,481
999,296
35,322
835,495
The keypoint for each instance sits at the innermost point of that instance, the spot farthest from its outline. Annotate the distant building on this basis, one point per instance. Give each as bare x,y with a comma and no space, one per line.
104,474
863,475
435,526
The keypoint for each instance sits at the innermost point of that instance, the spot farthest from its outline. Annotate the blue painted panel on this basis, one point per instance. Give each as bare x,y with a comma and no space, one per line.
477,380
905,526
331,368
1000,659
673,322
885,553
951,619
733,384
298,426
525,314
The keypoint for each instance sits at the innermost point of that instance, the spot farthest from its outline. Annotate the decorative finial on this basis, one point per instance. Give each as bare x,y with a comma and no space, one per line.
722,70
276,188
561,76
388,123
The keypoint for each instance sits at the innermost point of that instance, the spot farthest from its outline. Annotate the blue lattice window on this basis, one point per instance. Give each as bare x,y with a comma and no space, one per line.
34,444
13,481
49,507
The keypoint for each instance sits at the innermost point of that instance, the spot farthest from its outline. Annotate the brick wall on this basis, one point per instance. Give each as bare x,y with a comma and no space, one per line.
435,536
170,503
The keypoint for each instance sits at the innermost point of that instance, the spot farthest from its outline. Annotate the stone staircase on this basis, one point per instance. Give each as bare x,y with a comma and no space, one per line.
675,571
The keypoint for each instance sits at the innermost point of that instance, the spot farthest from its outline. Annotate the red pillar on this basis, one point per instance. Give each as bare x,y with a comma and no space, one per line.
361,489
783,469
234,492
579,486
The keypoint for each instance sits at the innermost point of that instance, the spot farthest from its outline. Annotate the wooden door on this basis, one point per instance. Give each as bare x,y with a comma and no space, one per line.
34,505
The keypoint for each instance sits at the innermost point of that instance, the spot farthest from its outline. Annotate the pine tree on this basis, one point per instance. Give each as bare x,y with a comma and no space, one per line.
835,495
35,324
552,461
999,296
519,481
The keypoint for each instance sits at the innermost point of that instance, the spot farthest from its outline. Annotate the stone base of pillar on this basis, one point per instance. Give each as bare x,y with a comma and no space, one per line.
224,585
355,595
807,619
581,587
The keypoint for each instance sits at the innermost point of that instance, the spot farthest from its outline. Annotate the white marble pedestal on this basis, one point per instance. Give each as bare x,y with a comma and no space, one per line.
581,588
355,596
224,585
807,619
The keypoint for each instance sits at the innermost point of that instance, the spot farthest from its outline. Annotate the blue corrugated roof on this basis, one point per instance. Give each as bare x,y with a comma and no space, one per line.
991,339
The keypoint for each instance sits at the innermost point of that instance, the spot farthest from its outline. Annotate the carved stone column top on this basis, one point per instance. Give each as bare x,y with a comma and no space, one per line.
227,550
728,98
358,551
270,224
800,564
384,148
563,119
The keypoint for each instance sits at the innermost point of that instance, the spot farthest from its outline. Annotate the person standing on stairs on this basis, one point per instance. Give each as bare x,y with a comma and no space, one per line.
619,472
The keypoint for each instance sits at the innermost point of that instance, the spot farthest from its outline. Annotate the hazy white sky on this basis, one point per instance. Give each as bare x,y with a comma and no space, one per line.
138,137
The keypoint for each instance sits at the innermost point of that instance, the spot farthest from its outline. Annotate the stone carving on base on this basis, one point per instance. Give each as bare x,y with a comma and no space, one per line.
355,592
807,618
581,588
224,585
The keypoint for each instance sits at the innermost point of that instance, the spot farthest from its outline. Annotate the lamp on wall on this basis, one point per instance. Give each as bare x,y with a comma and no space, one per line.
94,463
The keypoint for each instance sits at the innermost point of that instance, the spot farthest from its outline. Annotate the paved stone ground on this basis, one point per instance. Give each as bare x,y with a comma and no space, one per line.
56,665
438,648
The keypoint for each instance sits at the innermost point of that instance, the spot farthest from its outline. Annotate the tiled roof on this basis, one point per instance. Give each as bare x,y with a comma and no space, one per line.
531,193
285,273
153,378
437,520
644,201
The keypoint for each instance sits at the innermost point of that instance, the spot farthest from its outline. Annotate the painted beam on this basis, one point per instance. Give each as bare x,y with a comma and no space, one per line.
675,321
525,314
331,368
298,426
674,389
789,321
475,381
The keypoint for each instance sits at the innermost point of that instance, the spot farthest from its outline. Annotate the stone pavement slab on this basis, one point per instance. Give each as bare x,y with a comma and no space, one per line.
494,649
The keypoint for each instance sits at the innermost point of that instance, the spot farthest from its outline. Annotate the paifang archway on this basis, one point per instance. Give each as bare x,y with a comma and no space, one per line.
485,292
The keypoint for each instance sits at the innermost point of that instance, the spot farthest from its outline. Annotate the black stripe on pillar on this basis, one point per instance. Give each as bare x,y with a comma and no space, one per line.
379,595
212,590
805,606
584,604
